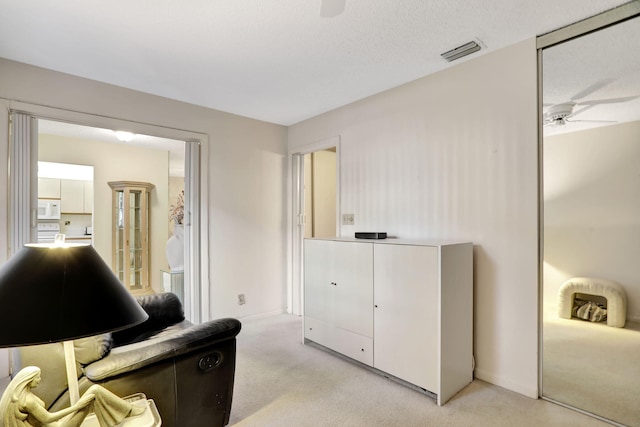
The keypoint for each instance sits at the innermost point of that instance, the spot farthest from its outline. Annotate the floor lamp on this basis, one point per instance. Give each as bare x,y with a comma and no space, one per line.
61,292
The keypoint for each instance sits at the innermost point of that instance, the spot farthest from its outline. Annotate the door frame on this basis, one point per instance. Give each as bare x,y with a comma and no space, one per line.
295,218
196,304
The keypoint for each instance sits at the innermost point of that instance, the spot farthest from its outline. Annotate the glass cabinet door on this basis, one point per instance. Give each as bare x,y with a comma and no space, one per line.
131,234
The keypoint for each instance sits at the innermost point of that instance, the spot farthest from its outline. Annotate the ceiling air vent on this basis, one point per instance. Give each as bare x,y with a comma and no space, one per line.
460,51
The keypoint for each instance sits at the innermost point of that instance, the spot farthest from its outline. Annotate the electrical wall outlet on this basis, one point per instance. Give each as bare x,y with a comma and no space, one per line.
348,219
241,300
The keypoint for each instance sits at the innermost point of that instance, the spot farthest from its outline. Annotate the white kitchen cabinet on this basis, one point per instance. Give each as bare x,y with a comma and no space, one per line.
76,196
422,316
72,196
48,188
88,196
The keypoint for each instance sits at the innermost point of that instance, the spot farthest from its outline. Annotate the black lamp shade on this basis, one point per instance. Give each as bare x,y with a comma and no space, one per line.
54,293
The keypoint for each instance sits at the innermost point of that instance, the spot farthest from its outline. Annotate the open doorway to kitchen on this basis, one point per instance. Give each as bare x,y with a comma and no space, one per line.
88,205
171,165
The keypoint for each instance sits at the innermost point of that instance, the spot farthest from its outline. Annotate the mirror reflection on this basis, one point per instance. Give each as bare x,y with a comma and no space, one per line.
591,223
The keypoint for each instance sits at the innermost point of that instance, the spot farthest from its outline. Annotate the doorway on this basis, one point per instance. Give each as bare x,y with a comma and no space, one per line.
23,191
141,158
320,193
316,205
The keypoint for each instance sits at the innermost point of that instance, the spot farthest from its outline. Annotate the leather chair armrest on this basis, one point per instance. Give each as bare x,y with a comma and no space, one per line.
167,345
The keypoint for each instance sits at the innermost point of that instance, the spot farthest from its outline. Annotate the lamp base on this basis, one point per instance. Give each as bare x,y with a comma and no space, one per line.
149,418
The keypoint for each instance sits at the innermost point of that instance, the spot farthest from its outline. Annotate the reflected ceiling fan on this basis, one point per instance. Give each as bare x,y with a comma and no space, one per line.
563,113
331,8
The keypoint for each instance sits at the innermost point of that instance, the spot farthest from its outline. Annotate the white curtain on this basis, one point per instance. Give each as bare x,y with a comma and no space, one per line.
196,312
23,179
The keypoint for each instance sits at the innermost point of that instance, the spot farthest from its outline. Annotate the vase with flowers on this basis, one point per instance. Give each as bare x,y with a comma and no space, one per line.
175,244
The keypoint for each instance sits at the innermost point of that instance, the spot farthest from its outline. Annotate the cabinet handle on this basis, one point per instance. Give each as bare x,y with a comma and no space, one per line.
334,283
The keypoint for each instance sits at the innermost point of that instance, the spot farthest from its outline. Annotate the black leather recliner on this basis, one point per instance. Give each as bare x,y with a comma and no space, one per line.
188,370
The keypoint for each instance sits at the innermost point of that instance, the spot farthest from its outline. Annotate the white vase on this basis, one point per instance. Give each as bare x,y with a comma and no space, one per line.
175,248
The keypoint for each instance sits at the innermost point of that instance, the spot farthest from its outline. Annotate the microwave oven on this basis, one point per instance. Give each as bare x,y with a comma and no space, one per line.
48,209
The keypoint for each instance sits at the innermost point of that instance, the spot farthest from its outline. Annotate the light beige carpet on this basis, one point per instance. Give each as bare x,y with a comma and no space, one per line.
594,367
280,382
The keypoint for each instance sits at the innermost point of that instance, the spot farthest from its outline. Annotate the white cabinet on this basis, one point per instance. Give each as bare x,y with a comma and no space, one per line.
421,307
338,298
88,196
72,195
48,188
76,196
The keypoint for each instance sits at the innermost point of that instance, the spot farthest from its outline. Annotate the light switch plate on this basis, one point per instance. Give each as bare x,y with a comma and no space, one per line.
348,219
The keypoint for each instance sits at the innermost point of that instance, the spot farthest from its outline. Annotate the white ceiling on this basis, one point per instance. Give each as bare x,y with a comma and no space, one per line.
603,66
174,148
273,60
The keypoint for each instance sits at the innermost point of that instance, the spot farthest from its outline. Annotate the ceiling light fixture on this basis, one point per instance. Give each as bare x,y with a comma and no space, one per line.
460,51
124,136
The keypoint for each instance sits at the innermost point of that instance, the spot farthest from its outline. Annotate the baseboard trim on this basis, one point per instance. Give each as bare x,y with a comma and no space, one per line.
263,315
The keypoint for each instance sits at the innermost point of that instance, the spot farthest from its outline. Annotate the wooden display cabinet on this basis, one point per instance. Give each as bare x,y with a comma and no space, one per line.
131,234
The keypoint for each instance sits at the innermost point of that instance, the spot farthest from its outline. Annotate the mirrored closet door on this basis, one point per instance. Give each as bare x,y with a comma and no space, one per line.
591,222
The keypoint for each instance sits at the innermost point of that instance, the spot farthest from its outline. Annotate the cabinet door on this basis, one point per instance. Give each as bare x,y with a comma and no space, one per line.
72,196
406,319
353,287
48,188
339,284
318,274
88,197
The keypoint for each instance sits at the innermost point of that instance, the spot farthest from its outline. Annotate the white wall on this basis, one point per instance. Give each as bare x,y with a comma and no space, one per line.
454,155
118,162
246,161
592,209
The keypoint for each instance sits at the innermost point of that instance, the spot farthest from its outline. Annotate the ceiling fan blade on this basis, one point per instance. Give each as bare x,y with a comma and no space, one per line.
583,109
589,90
590,121
331,8
608,101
